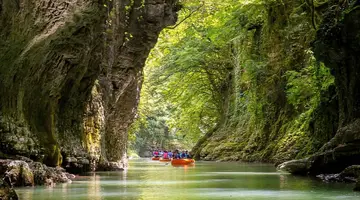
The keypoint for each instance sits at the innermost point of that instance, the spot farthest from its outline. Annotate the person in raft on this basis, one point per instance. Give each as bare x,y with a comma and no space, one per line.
183,155
156,153
166,155
170,154
176,154
187,154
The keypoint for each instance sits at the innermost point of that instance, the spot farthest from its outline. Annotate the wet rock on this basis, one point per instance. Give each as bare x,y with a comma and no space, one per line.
112,166
70,176
49,182
330,177
77,165
6,191
57,175
19,173
71,160
39,171
336,160
329,162
298,167
49,176
350,174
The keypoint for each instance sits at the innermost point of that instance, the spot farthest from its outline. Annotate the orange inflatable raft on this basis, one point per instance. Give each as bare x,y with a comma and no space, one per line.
155,158
165,159
182,161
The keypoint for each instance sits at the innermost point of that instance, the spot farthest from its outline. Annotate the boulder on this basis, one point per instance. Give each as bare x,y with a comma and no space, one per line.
77,165
49,176
329,162
112,166
350,174
19,173
297,167
329,177
6,191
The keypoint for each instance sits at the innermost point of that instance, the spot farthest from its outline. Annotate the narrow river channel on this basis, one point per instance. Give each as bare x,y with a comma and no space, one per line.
147,179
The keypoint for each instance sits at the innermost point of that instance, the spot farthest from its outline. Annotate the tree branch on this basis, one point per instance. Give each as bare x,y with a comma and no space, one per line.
187,17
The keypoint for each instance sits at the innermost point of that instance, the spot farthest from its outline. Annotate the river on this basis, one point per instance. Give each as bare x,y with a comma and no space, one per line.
147,179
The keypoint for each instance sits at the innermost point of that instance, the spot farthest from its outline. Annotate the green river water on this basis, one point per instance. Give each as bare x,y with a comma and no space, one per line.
147,179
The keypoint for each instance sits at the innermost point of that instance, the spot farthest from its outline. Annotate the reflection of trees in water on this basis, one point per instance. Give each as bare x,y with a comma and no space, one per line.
27,194
124,178
50,193
64,191
94,188
283,181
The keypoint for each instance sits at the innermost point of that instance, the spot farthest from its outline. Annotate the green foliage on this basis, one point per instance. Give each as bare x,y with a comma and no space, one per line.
188,72
276,86
304,87
243,69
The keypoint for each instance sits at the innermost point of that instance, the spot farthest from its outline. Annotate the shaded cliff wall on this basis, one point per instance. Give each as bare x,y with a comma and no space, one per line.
283,103
70,75
337,44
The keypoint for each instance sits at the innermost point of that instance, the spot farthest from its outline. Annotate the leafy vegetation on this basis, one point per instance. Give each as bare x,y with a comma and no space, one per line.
239,73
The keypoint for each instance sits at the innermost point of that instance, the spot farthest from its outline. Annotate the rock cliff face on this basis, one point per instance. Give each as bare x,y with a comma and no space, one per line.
70,76
262,122
337,45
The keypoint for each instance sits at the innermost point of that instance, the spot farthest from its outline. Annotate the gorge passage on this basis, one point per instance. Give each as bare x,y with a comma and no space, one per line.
261,80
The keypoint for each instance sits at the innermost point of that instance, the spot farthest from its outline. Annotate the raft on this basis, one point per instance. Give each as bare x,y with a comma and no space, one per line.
182,161
155,158
165,159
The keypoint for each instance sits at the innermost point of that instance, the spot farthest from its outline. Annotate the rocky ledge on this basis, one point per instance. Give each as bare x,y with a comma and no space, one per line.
350,174
28,173
6,191
303,166
17,173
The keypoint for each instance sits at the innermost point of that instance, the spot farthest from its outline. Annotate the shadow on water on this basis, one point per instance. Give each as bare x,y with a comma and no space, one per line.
147,179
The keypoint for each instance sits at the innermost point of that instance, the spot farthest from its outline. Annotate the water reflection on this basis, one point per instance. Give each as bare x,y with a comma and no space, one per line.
282,181
94,187
147,180
64,191
27,194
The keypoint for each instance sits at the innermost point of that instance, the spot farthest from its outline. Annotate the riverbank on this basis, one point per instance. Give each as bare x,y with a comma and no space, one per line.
25,172
150,180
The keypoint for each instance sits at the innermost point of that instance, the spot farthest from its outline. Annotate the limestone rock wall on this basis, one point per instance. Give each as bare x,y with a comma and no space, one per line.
70,75
337,45
291,33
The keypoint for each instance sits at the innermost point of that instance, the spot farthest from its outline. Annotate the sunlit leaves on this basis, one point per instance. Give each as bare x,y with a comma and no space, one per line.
304,87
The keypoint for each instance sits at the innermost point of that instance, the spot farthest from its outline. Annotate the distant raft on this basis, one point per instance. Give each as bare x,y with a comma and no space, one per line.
183,161
165,159
155,158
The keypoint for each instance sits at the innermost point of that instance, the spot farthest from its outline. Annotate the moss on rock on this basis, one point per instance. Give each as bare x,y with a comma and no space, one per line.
7,192
282,99
50,63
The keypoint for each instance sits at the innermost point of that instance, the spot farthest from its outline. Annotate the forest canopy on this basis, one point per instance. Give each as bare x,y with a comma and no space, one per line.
210,69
